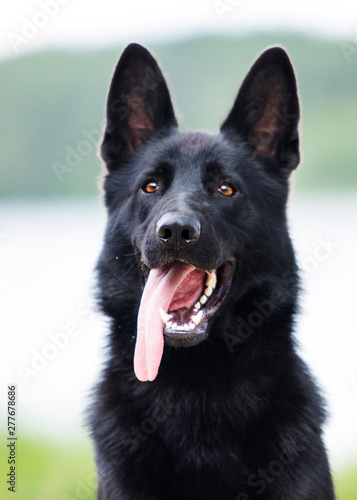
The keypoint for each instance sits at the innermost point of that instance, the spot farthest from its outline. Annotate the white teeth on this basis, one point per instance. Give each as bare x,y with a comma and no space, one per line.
212,279
195,321
174,326
203,299
164,316
211,283
197,318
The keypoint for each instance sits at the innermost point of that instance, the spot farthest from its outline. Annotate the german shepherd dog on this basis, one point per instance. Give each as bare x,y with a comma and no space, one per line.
203,396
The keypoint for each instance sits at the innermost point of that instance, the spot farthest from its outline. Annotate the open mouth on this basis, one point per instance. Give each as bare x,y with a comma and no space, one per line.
177,303
196,300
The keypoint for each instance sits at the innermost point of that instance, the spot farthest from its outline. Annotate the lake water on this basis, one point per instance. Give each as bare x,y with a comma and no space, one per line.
52,342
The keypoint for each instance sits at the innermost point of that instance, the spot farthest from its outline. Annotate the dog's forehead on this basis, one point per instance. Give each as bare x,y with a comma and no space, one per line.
192,142
190,152
190,146
193,152
201,148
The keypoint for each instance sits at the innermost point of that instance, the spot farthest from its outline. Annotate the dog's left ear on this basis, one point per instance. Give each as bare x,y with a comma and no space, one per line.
266,111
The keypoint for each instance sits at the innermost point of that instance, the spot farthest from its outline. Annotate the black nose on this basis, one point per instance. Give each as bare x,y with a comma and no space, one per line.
177,230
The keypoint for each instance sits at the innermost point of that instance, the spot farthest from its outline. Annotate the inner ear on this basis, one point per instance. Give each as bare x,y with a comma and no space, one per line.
266,111
139,124
268,117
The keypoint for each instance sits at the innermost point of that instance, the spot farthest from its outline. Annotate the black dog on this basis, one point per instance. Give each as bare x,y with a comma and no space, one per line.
198,276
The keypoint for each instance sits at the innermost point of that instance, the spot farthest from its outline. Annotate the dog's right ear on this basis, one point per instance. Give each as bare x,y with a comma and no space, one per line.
138,105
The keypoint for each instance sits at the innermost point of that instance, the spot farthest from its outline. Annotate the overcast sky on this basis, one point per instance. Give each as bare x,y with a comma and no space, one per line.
27,25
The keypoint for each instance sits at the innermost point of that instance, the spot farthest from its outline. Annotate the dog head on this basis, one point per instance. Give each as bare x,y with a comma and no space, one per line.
200,216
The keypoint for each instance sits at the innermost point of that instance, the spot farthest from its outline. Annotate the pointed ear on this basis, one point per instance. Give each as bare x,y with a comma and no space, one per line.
266,111
138,105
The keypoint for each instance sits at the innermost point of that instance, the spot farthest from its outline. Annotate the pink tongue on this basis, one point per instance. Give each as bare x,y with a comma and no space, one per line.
158,293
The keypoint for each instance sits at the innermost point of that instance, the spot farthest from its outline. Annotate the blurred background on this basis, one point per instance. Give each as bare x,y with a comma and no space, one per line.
56,62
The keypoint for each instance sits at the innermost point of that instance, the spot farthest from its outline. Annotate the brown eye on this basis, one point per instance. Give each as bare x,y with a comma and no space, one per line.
226,190
151,187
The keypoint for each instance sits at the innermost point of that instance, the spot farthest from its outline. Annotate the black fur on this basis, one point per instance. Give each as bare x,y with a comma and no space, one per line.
238,416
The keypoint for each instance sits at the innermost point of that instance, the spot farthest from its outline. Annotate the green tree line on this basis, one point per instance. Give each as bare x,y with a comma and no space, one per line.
52,108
